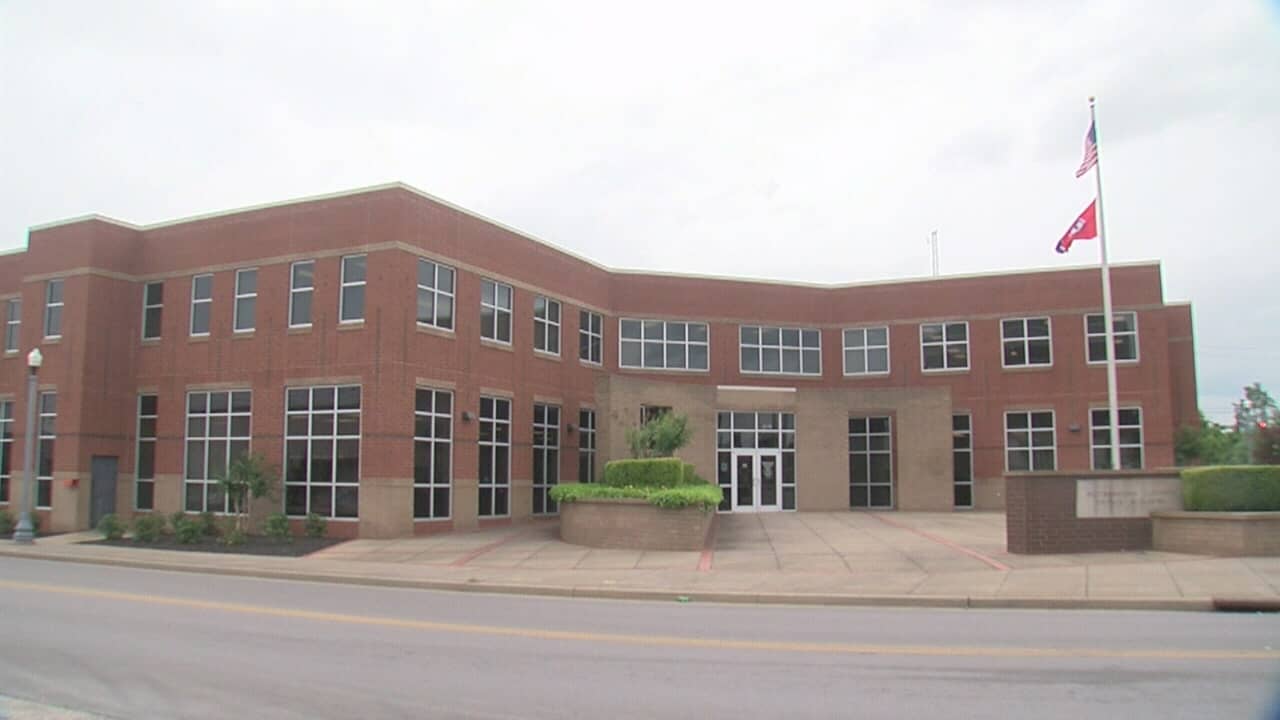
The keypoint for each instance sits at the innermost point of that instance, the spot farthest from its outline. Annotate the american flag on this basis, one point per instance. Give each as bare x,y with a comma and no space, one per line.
1090,152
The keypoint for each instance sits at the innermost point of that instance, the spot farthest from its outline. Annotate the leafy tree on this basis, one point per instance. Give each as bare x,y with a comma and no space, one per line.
660,437
248,476
1257,417
1209,443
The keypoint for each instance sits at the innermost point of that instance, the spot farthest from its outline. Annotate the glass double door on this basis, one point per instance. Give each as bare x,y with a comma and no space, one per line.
756,486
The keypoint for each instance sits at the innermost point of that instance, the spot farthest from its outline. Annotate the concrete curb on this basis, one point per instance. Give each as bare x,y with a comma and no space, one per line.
1200,604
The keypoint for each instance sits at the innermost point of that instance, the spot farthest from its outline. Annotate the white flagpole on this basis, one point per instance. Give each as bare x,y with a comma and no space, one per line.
1107,316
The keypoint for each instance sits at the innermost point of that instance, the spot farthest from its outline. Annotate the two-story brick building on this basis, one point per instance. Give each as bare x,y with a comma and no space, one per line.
412,367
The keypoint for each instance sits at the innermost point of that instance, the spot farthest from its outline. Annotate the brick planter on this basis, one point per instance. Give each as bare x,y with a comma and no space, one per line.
634,524
1232,534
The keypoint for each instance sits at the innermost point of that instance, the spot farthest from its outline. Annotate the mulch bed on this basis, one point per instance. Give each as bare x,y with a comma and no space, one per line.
253,545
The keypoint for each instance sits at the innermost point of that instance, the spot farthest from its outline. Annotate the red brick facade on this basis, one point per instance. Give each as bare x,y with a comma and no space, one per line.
100,364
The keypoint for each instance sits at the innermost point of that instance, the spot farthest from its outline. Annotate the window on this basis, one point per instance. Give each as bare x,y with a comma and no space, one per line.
322,451
780,350
13,325
1030,442
870,463
144,471
201,303
495,311
590,337
351,298
1026,342
435,294
1124,328
652,412
6,450
495,456
770,431
48,409
546,456
217,433
962,459
866,351
546,325
432,453
662,344
1130,438
152,309
586,446
53,309
246,300
302,283
944,346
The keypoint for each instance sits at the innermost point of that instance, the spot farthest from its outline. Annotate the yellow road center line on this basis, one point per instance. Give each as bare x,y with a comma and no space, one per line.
645,640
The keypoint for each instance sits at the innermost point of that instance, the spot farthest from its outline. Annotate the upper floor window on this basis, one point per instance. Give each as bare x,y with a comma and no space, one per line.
590,337
495,311
662,344
351,299
866,351
1030,442
201,303
152,309
12,325
780,350
1130,434
302,283
944,346
435,294
1125,330
1026,341
546,325
53,309
246,299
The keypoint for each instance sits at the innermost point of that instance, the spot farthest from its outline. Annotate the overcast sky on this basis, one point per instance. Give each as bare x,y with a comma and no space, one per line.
796,141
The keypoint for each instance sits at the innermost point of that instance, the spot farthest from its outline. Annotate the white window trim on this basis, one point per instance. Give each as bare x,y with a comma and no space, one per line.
6,445
511,313
890,453
154,440
333,501
760,347
40,438
206,439
546,448
972,483
1031,447
235,305
1026,348
191,325
296,290
491,445
587,331
1137,345
9,323
583,434
1142,446
48,304
343,284
435,303
888,352
548,302
967,347
145,307
453,399
687,342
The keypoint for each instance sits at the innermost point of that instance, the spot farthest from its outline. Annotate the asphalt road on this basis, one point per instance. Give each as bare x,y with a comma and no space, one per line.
145,644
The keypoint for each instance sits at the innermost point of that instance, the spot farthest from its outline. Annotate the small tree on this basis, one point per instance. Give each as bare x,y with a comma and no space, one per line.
1209,443
248,476
660,437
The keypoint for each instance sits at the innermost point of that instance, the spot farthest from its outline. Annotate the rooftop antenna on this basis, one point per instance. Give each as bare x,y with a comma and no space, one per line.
933,249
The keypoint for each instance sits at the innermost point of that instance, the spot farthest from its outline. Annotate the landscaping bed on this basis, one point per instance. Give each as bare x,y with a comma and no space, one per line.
252,545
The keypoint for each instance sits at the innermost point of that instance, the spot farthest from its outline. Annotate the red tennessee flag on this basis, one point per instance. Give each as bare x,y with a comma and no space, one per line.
1084,228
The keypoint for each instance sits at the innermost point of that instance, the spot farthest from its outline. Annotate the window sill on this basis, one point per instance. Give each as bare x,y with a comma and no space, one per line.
437,331
496,344
150,341
1103,363
543,354
348,325
946,371
590,364
857,376
1027,368
299,330
11,353
242,335
198,338
788,375
664,371
51,339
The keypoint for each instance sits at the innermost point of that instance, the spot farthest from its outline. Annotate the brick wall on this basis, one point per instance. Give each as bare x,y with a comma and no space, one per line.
634,525
1040,514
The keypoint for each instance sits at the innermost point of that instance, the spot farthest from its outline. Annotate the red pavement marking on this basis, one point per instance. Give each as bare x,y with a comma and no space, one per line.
943,541
486,548
708,550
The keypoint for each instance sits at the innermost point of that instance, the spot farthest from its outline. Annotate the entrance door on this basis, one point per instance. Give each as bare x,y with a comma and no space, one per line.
102,499
756,481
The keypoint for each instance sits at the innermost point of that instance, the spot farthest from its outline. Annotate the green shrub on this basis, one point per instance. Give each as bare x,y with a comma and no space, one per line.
689,476
703,495
233,535
644,473
208,524
1231,488
111,526
188,532
660,437
7,524
707,497
278,527
316,526
147,528
174,519
569,492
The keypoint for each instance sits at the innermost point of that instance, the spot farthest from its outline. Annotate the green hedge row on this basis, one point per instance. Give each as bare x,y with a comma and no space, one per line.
700,495
1231,488
649,473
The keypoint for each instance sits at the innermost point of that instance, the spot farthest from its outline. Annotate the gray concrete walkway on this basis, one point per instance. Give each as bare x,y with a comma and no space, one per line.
949,559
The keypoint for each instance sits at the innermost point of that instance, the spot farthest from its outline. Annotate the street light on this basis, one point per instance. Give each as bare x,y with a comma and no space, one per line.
25,533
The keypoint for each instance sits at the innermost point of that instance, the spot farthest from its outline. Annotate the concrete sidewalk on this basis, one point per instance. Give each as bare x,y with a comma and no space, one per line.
934,559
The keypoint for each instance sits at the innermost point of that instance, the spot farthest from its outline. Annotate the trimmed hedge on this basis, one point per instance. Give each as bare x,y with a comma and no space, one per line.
703,495
645,473
1231,488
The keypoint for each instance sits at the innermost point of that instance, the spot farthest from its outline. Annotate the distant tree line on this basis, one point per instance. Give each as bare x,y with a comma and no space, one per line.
1254,438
